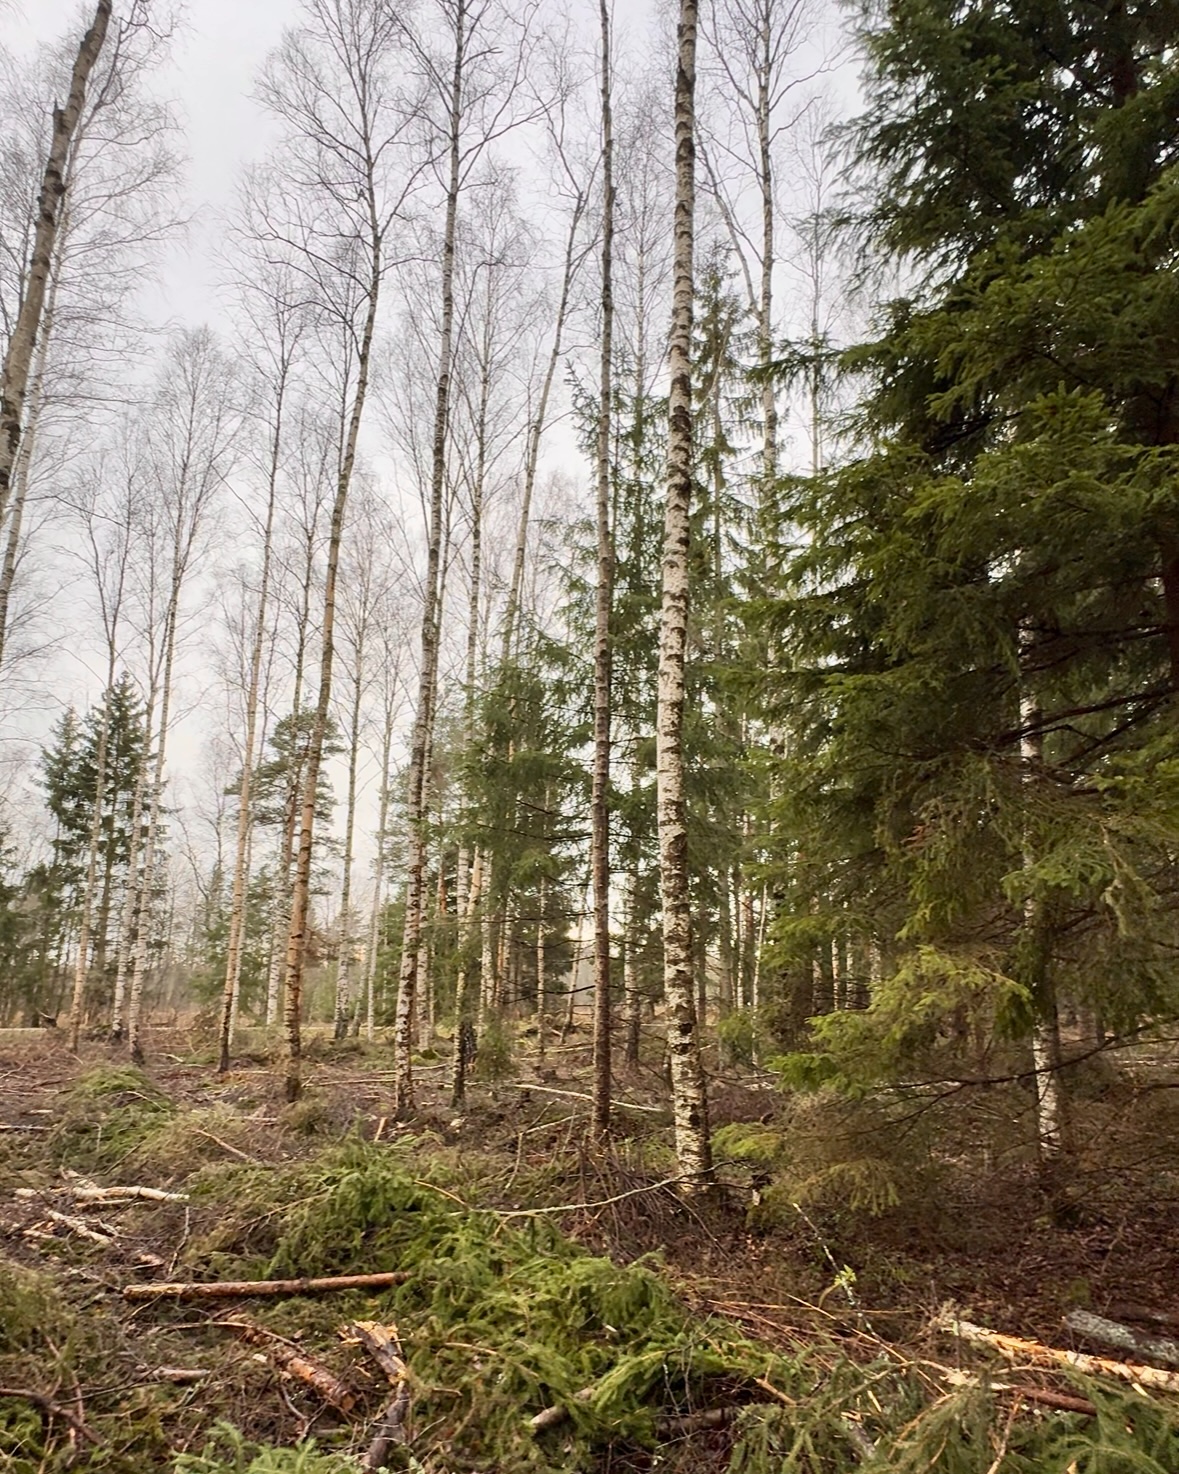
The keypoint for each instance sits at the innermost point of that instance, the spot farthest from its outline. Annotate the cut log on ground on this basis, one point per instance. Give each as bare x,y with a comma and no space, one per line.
1015,1348
293,1362
382,1344
104,1234
1123,1338
244,1289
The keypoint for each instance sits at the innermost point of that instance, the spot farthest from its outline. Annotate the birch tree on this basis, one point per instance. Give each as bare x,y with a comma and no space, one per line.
689,1097
192,434
18,356
476,86
756,61
600,775
279,323
332,85
108,531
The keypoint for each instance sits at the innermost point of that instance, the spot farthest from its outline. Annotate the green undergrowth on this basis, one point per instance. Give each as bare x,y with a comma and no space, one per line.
500,1318
108,1114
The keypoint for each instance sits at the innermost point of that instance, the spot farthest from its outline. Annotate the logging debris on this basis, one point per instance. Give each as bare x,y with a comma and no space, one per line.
384,1346
245,1289
1017,1348
1123,1338
294,1362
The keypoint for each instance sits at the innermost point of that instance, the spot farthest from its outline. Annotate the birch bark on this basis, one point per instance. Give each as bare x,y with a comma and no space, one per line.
110,610
283,363
18,358
689,1098
403,1091
600,777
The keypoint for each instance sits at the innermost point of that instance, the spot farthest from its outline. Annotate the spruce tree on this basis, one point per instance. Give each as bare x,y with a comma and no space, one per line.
982,604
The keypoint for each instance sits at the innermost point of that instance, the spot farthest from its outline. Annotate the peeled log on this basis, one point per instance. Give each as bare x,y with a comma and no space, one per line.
241,1289
1123,1338
1018,1349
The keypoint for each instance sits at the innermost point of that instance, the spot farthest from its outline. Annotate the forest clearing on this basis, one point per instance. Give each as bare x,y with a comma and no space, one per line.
589,774
556,1305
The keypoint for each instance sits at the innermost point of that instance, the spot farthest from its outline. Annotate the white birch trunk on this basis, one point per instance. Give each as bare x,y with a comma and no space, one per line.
600,777
18,359
301,893
154,797
344,971
403,1092
541,988
374,930
1045,1038
241,863
689,1097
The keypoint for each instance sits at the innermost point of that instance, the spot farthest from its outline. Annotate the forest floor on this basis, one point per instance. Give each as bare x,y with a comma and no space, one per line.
118,1384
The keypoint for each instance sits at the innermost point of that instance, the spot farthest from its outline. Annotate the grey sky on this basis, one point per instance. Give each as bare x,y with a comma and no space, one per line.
216,56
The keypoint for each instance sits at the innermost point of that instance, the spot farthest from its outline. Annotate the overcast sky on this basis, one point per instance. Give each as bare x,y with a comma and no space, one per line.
216,56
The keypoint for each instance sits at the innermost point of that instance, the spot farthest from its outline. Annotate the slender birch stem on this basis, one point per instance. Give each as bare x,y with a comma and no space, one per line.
241,869
14,376
403,1092
600,777
689,1098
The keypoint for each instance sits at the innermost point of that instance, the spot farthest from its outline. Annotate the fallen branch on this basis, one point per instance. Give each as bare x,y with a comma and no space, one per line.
294,1363
91,1193
181,1376
53,1409
243,1289
1015,1348
624,1105
1064,1402
1123,1338
382,1344
234,1151
104,1235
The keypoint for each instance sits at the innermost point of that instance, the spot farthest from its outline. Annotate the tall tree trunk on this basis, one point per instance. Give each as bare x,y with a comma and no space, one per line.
374,931
81,961
464,1008
154,796
281,921
1050,1120
344,970
600,778
18,359
689,1097
765,304
403,1094
632,1002
537,428
541,988
241,868
129,920
301,894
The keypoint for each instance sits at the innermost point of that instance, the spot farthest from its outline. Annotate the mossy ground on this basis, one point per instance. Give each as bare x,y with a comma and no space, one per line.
802,1333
